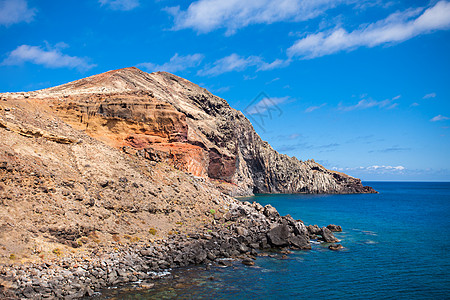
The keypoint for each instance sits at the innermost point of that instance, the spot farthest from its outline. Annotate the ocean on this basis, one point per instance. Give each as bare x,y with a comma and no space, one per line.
397,246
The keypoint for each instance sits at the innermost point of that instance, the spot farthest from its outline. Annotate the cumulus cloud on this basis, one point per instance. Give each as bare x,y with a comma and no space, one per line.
428,96
176,63
397,27
439,118
207,15
15,11
50,57
120,4
234,62
313,108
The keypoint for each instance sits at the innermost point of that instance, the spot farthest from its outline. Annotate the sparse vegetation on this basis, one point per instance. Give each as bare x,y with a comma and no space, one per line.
152,231
57,252
212,211
12,257
132,239
135,239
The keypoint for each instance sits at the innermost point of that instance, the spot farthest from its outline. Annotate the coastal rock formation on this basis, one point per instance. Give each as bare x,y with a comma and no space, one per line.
335,247
110,178
78,277
335,228
170,119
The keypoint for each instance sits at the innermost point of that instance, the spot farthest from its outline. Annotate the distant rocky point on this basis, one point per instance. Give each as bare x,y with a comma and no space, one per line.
165,118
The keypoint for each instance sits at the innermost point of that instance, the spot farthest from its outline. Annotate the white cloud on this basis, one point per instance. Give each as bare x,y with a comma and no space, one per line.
273,80
50,57
439,118
278,63
374,169
235,62
431,95
120,4
369,103
397,27
176,63
313,108
207,15
230,63
386,168
15,11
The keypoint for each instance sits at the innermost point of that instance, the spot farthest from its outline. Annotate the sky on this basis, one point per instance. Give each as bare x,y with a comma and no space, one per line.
361,87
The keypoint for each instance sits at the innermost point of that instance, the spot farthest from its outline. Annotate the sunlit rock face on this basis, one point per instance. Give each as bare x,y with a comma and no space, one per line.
170,119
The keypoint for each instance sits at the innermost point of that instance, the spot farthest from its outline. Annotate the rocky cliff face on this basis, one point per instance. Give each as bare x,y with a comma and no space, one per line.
170,119
108,178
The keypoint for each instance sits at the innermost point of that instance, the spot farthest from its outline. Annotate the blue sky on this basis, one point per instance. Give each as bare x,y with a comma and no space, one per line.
360,86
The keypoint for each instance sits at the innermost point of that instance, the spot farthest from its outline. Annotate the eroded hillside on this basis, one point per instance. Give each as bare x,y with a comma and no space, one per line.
60,186
168,119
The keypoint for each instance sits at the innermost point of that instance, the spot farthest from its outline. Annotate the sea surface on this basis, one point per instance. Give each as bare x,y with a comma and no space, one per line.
397,246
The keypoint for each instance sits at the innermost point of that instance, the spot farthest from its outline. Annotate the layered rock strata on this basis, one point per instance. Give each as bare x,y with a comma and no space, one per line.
181,123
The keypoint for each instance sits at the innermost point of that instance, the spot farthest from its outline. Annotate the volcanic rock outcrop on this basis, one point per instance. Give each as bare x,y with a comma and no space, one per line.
166,118
110,178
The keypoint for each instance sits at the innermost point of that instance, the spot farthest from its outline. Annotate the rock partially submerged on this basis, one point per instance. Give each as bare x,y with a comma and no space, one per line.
335,247
325,234
334,228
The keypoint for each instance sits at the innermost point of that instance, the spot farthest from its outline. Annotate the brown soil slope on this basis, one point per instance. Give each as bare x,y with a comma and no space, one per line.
61,189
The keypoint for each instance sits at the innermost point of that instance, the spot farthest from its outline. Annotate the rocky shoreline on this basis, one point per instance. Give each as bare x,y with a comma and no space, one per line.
239,233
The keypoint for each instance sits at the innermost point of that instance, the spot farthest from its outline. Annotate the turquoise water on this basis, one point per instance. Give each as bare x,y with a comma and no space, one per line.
397,246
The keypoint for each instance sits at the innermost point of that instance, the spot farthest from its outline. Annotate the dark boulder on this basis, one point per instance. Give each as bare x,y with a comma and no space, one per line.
327,236
299,242
313,229
335,247
248,262
279,236
334,228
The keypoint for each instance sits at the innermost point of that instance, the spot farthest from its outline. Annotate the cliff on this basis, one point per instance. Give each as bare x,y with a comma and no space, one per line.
168,118
110,178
